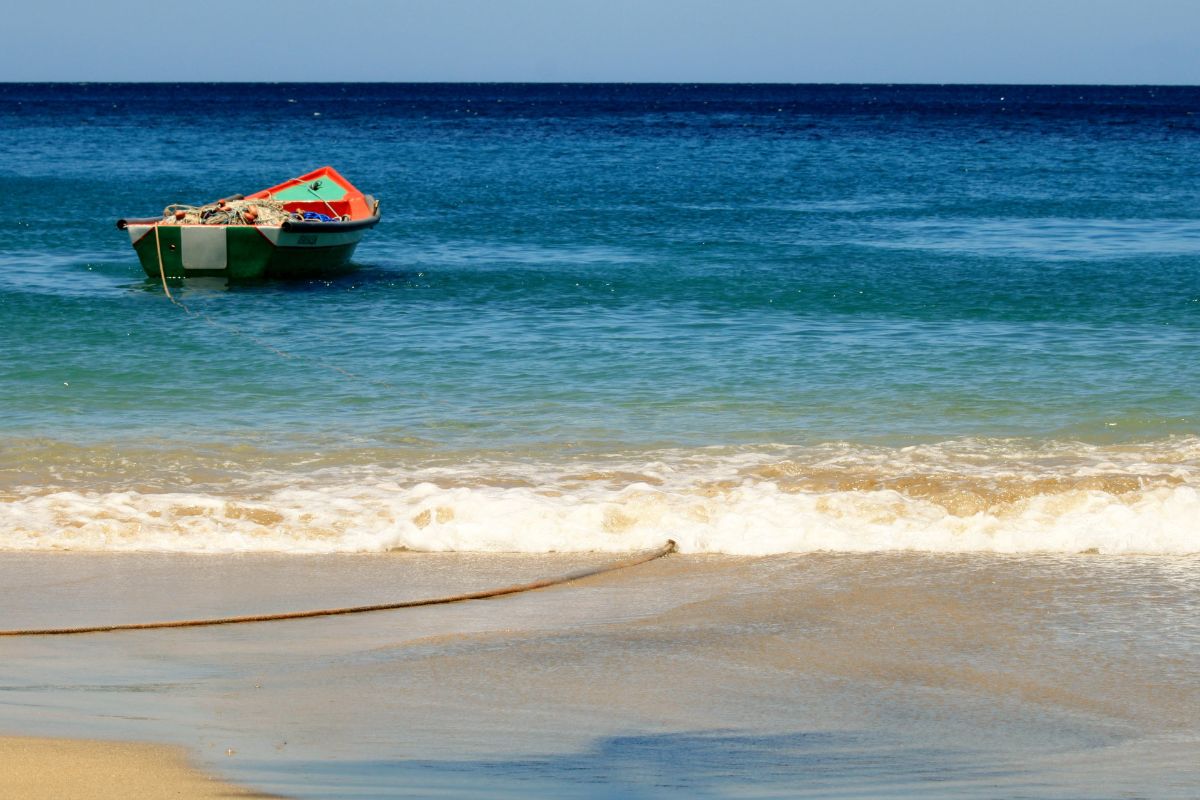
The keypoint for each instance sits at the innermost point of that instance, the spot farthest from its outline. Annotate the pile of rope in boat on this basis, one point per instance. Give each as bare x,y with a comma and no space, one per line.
230,212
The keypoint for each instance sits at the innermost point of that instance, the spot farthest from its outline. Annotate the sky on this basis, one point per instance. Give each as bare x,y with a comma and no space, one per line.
789,41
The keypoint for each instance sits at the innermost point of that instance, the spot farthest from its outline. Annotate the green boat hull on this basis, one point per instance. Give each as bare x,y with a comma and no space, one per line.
240,252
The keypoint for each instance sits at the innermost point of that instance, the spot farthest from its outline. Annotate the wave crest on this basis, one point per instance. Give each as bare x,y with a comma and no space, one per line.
954,497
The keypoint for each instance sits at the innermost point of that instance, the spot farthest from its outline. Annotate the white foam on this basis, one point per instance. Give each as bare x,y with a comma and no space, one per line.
708,502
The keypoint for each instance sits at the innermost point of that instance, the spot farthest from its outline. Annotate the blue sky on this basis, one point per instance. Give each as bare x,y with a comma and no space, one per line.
902,41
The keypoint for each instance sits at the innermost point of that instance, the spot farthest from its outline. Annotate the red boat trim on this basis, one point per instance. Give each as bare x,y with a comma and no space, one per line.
336,226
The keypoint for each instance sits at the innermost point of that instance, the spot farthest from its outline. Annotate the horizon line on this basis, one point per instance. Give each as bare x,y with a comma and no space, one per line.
586,83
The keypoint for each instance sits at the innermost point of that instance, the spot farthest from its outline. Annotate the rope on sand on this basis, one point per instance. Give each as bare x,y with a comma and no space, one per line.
633,561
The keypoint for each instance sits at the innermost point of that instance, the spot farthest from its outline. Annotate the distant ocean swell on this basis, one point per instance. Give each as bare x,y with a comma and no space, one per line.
988,496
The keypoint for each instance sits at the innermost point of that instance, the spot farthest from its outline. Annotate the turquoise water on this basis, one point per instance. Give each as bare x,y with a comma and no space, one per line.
613,312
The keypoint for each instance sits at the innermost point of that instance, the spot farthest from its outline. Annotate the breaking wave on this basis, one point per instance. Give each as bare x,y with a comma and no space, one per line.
965,496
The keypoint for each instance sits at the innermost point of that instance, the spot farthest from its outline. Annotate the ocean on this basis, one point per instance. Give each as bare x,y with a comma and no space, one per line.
900,338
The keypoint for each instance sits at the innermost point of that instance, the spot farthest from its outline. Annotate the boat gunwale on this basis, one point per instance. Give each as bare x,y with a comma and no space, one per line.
290,226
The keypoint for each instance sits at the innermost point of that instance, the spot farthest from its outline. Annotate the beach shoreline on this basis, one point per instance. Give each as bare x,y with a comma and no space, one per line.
819,673
53,769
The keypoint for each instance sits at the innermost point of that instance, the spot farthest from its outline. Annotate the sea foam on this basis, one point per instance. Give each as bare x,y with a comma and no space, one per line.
952,498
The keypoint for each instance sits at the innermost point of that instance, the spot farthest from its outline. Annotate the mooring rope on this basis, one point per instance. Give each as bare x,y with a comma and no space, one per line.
162,272
200,315
633,561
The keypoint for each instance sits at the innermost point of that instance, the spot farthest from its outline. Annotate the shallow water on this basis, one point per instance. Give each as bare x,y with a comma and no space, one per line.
850,675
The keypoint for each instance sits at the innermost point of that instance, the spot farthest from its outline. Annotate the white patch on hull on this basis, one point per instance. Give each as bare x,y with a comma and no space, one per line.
203,247
136,232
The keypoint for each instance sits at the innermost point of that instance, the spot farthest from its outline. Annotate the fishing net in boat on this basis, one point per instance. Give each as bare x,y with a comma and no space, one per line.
229,212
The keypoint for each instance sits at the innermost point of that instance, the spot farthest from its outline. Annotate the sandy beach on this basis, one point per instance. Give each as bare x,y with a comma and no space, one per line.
55,769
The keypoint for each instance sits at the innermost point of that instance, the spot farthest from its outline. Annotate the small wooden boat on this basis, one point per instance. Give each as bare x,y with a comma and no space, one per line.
305,226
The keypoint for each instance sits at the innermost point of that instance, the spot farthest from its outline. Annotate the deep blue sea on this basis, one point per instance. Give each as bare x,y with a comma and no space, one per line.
757,319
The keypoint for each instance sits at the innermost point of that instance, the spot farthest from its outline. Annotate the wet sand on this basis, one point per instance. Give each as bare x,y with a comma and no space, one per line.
54,769
855,675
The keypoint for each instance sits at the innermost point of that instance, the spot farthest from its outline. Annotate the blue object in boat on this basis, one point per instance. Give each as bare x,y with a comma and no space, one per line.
313,215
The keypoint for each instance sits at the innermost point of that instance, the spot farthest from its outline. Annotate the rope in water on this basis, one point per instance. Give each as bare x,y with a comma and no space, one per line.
162,274
633,561
230,211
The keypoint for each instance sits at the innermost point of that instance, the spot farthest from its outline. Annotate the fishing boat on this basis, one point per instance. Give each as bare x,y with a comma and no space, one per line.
304,226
